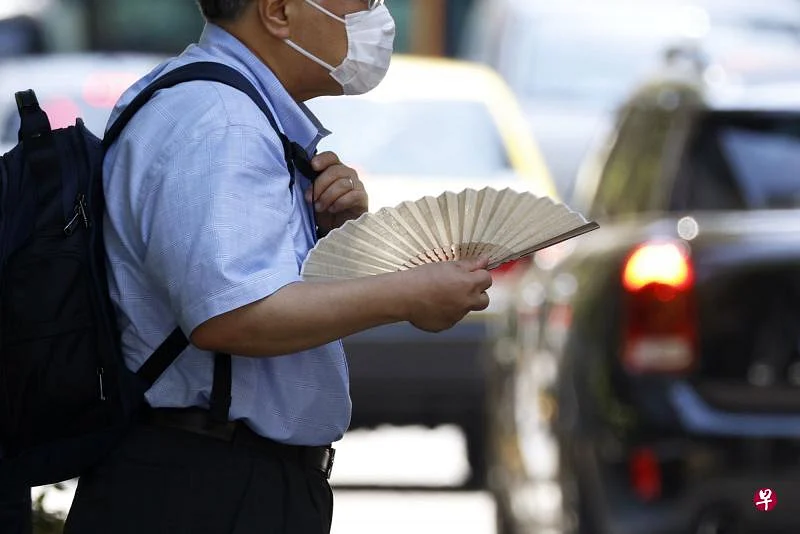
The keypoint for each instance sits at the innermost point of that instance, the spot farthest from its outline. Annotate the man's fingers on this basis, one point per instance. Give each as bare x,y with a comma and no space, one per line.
322,161
334,181
475,264
486,282
353,199
343,193
481,303
480,263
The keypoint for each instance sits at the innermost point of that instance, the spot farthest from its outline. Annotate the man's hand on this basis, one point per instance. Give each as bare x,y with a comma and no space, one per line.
445,292
338,194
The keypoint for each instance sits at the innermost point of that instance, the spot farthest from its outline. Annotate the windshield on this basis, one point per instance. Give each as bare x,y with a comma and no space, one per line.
743,161
595,57
421,138
579,59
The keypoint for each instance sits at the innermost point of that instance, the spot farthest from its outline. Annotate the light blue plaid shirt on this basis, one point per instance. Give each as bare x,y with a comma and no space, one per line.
201,221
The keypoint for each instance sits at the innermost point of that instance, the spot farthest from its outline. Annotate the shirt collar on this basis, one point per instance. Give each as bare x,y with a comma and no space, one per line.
297,121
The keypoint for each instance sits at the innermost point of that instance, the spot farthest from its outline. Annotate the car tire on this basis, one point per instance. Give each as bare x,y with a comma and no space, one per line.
475,434
503,522
721,518
577,508
586,523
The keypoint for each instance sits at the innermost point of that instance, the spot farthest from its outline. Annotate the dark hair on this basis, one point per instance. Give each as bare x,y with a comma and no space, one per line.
222,10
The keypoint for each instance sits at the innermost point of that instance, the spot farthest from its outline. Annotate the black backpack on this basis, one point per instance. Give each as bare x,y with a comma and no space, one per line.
66,395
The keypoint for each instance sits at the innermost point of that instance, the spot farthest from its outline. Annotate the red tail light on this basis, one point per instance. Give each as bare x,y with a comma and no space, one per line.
645,473
663,263
659,318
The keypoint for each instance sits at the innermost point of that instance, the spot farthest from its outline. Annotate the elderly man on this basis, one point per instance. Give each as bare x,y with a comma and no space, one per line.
206,230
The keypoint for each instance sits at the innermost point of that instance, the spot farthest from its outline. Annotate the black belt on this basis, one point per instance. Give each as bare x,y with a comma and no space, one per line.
199,421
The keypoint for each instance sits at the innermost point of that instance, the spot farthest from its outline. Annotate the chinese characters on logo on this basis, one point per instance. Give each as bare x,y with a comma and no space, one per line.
765,500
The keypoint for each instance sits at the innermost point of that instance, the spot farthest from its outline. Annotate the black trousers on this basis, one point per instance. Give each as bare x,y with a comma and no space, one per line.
15,509
170,481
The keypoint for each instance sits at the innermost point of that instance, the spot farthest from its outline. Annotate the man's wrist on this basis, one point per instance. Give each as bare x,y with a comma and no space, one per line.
400,300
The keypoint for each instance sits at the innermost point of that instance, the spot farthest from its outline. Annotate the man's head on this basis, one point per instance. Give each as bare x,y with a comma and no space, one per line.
220,11
309,44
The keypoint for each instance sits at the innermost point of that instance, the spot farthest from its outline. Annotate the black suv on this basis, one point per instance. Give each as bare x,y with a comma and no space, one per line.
647,379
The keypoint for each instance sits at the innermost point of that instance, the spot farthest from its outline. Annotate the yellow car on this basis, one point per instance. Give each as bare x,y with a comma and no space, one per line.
433,125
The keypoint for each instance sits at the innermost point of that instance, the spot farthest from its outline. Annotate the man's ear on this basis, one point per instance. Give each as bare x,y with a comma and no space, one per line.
274,16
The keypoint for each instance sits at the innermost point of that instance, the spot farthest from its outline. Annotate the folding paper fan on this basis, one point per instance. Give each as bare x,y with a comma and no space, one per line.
501,225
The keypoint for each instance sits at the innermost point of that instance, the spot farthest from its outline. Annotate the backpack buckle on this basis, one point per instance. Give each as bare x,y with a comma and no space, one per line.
33,120
26,101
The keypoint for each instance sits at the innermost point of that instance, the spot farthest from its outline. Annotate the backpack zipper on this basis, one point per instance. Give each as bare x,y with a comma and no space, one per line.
82,215
100,372
78,216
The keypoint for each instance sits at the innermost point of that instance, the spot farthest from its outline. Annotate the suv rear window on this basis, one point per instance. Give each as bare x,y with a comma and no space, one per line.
742,161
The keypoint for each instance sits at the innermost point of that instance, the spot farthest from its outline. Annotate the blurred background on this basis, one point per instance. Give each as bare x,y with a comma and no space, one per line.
644,378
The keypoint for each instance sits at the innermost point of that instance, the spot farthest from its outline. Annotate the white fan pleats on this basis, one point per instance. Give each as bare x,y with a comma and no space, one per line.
501,225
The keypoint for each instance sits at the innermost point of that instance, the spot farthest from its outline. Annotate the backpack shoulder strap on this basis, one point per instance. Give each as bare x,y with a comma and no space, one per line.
294,155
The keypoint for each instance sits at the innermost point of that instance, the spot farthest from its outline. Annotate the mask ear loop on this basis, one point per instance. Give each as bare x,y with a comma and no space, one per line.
309,55
331,14
306,53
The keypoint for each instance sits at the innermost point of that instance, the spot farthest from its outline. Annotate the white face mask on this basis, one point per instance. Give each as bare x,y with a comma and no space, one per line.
370,42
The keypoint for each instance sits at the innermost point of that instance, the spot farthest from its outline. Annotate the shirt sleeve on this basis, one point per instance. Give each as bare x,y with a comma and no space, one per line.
215,223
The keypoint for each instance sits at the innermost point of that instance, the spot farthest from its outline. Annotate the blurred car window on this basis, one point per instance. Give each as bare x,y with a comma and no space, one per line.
422,138
594,52
633,173
143,25
571,63
579,59
742,161
20,35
